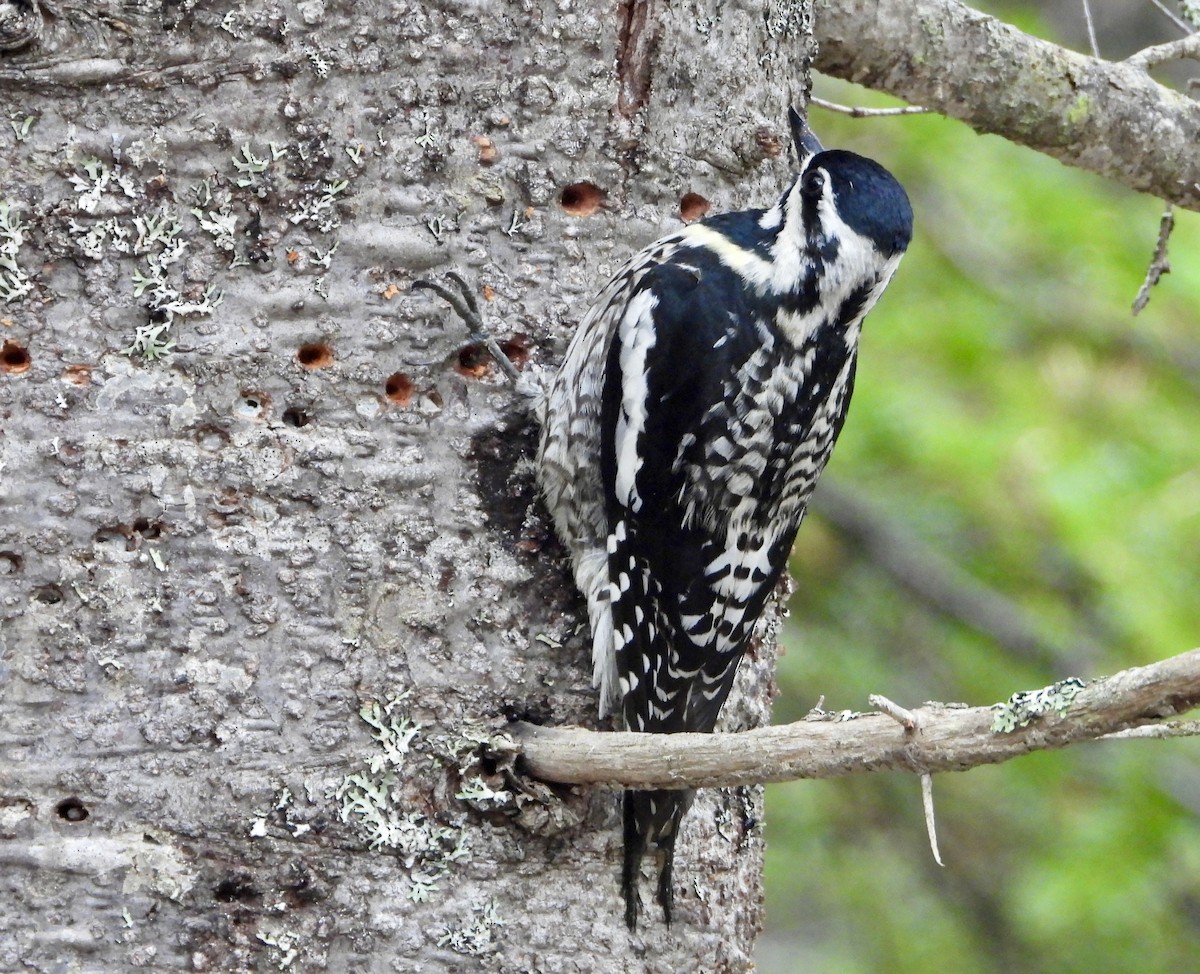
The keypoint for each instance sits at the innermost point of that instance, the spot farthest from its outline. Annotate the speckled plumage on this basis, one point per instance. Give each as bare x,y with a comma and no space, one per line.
697,406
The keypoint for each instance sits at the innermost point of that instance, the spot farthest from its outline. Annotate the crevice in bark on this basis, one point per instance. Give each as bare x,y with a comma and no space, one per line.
636,40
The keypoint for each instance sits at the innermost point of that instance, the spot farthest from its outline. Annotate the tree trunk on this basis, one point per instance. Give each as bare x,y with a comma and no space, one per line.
271,561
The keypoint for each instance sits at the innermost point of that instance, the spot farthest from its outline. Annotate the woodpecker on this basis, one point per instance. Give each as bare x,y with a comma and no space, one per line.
698,403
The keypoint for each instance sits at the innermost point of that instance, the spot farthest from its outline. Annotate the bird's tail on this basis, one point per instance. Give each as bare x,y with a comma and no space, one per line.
651,823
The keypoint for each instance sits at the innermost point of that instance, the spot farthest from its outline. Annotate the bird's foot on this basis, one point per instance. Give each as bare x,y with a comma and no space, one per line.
467,308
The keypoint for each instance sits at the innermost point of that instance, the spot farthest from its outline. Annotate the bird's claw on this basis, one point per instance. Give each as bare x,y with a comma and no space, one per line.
466,306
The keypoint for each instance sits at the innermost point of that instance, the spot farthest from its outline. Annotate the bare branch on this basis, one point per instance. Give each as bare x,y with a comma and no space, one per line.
1186,48
1157,732
1159,265
855,111
947,739
1111,119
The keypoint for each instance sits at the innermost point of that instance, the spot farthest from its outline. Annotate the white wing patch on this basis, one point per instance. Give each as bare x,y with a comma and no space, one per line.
637,336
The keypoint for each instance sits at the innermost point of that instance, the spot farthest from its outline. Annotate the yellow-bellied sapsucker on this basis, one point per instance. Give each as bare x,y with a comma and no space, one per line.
697,405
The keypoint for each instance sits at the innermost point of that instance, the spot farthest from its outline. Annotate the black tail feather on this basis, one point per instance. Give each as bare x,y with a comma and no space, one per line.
635,848
651,823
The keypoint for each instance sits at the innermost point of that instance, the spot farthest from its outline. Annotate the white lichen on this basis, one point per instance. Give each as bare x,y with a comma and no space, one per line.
218,224
320,213
394,734
22,125
15,283
234,23
279,814
373,801
481,795
324,258
439,225
97,179
1026,706
476,937
249,167
159,239
321,65
426,140
106,224
515,225
285,943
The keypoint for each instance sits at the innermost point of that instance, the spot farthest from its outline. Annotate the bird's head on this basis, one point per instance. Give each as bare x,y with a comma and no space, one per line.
839,190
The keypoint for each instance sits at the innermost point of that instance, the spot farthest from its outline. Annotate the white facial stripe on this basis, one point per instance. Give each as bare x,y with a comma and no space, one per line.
744,262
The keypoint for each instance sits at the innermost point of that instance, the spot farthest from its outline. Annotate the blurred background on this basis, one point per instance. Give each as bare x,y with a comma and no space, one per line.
1032,449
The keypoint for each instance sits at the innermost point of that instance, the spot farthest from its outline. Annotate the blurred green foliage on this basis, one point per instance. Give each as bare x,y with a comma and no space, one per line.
1011,412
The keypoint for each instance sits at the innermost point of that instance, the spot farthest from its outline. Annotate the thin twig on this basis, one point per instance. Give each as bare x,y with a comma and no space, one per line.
1175,18
930,820
948,739
1091,28
859,112
1184,49
905,718
1157,732
1159,265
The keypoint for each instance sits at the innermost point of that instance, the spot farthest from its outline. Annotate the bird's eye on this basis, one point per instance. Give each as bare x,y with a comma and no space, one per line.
813,184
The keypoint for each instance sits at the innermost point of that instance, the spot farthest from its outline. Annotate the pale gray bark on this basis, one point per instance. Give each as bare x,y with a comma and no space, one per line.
211,562
1111,119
